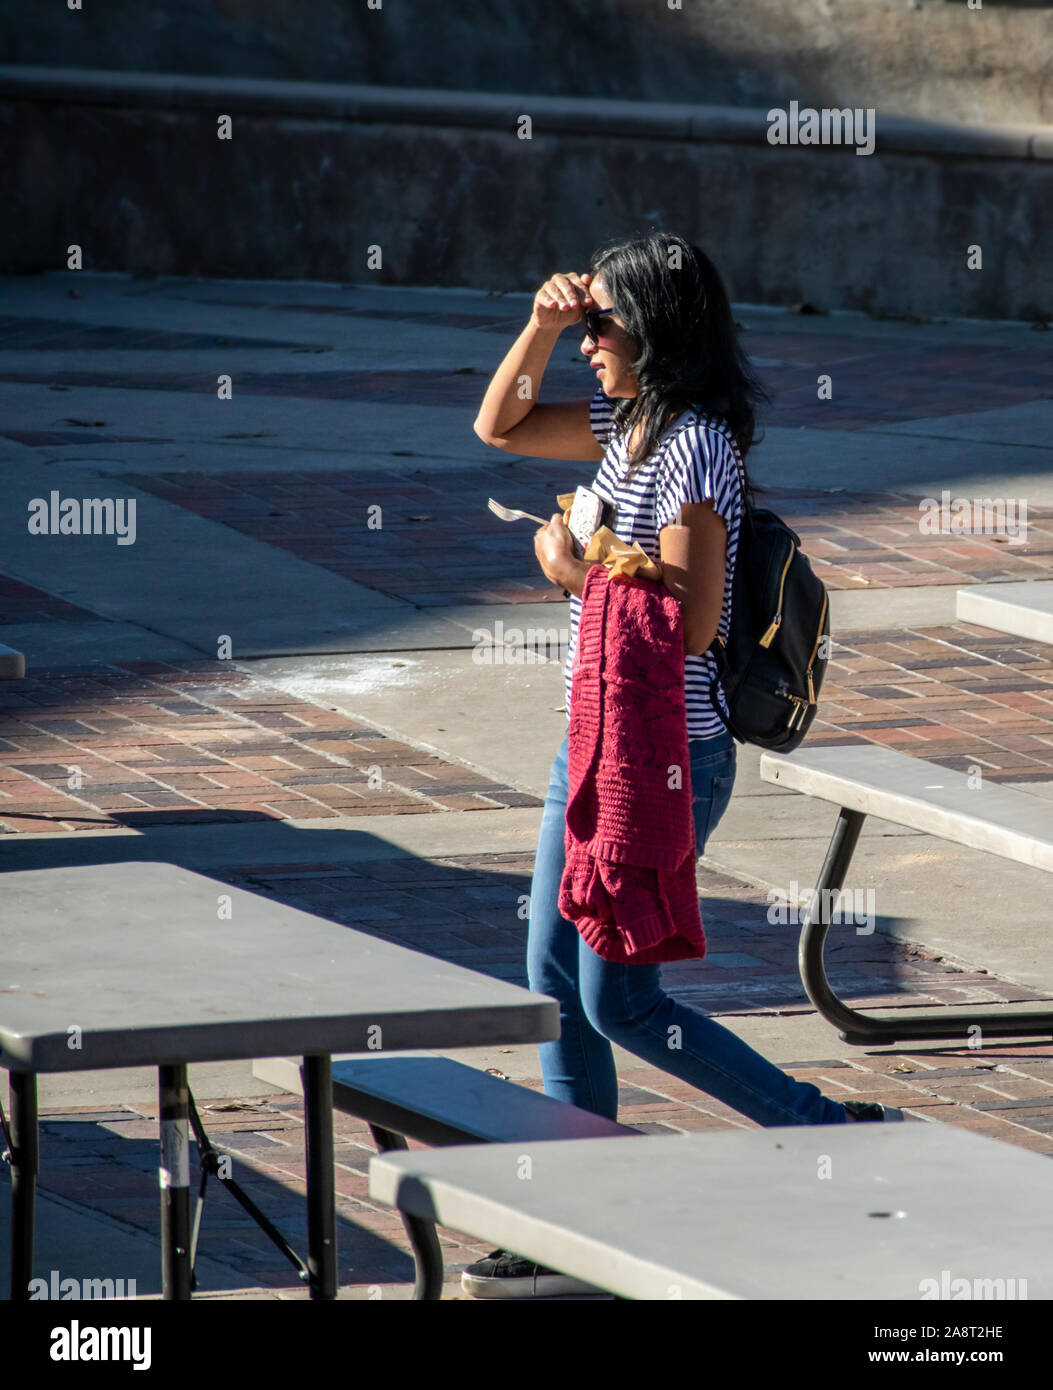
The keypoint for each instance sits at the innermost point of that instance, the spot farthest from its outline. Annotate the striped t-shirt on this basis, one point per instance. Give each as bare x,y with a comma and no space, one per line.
697,460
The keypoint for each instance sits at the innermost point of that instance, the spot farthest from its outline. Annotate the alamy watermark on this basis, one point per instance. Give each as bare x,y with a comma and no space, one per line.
55,1287
853,907
516,646
828,126
88,516
85,1343
946,1286
974,516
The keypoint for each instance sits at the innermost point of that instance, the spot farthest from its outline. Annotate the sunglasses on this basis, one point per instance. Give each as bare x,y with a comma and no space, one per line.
591,320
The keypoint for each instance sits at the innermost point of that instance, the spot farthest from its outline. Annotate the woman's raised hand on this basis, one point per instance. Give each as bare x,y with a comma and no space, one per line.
561,300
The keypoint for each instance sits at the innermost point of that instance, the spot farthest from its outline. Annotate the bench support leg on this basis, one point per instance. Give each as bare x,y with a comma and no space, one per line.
173,1094
23,1154
427,1252
321,1184
212,1164
862,1029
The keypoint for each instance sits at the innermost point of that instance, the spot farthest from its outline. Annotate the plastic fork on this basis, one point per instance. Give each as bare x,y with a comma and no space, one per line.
508,514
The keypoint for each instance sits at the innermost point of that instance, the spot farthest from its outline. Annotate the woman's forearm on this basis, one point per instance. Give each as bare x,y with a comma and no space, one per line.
571,575
509,398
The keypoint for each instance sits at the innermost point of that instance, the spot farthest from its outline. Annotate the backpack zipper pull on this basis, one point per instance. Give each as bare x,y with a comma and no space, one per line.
769,636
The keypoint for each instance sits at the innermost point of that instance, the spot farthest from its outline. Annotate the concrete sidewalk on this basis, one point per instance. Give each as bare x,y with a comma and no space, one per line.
357,647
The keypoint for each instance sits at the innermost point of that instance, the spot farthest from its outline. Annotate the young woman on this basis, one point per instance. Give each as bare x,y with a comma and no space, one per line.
671,422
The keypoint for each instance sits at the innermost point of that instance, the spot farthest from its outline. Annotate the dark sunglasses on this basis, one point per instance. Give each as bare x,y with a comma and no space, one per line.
590,319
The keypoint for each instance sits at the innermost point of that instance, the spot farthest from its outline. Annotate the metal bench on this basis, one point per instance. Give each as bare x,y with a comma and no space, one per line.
439,1102
866,780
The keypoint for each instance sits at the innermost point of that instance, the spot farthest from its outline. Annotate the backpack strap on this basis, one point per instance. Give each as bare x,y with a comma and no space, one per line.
717,652
720,713
705,421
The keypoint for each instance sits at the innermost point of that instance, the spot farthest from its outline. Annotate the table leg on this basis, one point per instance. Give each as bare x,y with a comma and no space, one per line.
321,1189
863,1029
25,1164
175,1182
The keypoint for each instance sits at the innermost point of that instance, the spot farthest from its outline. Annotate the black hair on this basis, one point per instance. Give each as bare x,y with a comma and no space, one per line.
673,303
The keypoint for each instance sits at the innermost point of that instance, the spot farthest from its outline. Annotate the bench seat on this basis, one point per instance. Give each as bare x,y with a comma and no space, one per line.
437,1101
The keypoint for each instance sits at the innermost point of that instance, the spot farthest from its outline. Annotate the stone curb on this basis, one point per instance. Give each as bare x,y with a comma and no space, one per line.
431,106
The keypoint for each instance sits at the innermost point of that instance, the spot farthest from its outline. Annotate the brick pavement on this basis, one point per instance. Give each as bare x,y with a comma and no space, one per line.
105,1161
150,743
469,910
165,744
961,695
854,539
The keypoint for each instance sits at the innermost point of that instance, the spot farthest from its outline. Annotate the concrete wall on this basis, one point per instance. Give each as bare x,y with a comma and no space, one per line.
931,59
130,168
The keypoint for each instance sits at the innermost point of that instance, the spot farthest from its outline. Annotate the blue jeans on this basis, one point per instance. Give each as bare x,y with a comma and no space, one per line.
601,1002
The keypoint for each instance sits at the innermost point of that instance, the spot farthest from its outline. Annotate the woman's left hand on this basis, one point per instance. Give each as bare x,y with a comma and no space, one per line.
554,546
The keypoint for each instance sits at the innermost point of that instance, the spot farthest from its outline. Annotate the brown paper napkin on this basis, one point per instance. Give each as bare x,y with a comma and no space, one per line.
605,548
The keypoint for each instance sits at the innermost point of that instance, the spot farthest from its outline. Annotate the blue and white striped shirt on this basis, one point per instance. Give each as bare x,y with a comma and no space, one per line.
697,460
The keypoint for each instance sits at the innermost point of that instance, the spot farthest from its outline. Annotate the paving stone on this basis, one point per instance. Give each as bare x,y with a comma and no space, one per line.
242,781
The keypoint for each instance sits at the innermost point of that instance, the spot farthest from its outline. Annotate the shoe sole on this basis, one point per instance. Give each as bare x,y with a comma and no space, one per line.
544,1286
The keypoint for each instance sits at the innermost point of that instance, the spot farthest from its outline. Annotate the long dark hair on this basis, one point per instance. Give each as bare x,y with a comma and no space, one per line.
672,301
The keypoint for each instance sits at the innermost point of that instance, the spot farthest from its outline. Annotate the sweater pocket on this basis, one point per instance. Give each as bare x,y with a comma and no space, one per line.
583,897
638,905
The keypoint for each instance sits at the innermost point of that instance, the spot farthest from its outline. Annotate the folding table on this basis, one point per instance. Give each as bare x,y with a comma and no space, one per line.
147,964
858,1211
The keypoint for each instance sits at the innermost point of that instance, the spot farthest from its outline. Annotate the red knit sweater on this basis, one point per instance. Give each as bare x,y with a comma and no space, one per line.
629,877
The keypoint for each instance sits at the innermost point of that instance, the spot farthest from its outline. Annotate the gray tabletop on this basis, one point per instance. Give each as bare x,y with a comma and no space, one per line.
916,793
132,964
749,1214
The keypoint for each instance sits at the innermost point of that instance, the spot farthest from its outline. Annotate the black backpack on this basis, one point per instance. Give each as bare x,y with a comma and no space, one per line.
772,663
774,658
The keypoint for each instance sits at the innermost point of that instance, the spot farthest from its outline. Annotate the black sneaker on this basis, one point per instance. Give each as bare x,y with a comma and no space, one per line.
867,1110
504,1275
